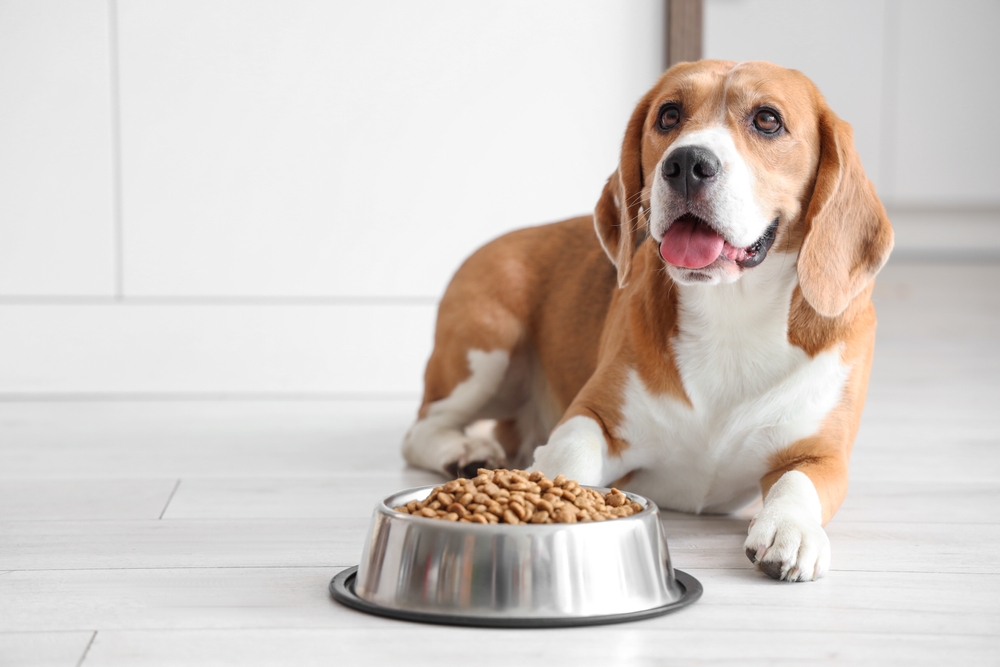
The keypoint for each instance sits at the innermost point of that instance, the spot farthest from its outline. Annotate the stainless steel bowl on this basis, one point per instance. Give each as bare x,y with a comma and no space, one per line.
524,575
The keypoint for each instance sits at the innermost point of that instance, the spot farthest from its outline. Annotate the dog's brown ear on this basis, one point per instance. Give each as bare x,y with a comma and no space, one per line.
848,235
616,215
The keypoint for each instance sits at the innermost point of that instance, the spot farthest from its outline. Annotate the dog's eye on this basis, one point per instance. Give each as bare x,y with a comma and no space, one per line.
767,121
670,115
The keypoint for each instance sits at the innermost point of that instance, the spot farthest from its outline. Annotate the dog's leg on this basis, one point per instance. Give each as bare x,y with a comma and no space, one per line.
578,448
786,538
438,440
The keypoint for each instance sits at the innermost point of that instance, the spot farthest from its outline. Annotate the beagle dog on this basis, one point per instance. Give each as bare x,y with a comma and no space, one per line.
725,348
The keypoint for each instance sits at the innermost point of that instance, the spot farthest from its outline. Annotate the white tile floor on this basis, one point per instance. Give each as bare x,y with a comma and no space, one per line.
205,532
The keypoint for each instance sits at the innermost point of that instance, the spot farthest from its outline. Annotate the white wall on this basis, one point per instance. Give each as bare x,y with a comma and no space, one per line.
233,196
223,197
916,78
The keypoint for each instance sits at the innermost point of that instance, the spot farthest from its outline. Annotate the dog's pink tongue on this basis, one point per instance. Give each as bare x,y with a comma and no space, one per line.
690,245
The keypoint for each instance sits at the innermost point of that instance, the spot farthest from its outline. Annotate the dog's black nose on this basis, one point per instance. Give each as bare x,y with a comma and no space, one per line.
687,169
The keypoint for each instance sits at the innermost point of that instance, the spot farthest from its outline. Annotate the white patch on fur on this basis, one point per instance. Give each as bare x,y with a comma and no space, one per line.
579,450
787,536
439,439
728,201
752,394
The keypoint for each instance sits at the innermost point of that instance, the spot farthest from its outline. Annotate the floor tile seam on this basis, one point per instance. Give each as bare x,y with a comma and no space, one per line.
835,607
368,474
155,521
366,517
341,566
693,570
36,632
193,396
185,474
86,650
846,522
378,626
173,492
182,568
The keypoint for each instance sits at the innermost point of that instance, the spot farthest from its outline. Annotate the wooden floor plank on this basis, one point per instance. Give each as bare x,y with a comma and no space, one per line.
43,649
184,439
349,495
607,647
344,495
906,603
83,499
694,542
61,545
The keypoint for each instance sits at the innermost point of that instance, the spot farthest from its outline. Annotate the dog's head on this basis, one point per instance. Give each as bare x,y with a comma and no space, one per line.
724,162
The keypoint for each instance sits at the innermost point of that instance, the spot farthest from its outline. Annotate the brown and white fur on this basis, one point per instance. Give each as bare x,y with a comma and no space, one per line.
698,388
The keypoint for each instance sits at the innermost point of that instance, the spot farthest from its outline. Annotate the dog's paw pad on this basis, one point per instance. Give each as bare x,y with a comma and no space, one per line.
472,469
788,547
772,568
477,453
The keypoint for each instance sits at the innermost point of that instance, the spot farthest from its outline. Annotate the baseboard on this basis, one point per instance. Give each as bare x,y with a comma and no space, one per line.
944,233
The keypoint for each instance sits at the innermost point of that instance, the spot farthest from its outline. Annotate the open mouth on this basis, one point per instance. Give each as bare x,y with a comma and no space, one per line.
691,243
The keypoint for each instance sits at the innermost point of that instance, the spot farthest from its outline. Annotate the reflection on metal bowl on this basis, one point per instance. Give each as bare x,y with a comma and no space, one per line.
515,575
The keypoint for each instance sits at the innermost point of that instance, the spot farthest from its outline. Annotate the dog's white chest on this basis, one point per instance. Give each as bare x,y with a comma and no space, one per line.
752,393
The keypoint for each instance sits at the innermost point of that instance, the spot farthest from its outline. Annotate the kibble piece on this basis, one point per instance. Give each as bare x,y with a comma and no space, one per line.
616,498
565,515
459,510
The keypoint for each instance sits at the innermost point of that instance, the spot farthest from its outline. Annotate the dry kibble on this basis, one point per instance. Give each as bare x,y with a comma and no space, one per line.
459,510
616,498
516,496
565,516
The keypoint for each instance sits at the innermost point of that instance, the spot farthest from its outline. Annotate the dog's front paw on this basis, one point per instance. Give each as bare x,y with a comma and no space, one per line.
473,454
791,546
